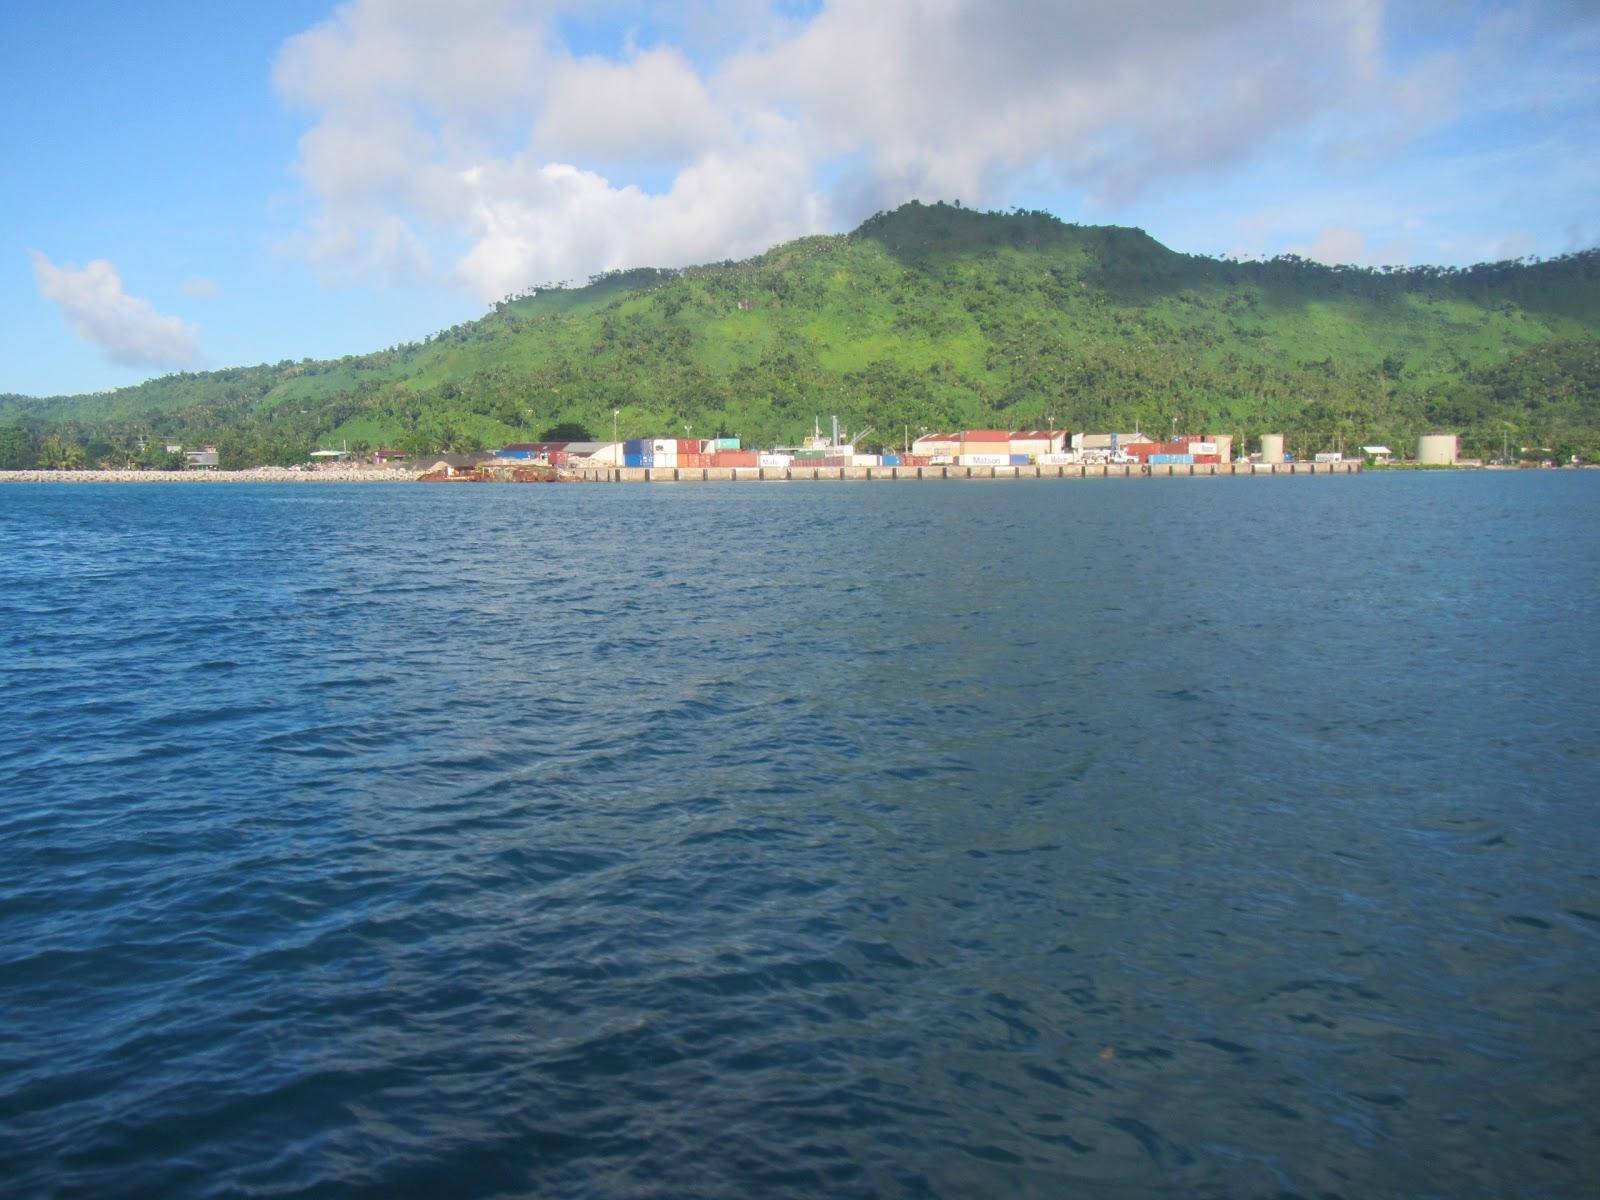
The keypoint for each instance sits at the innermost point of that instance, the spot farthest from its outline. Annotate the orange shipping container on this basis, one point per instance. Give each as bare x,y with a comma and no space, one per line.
736,458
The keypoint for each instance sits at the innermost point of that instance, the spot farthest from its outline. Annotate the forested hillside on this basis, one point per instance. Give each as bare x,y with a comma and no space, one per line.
930,316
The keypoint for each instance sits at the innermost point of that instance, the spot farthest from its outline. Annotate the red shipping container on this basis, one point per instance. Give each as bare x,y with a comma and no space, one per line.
1141,450
1207,458
558,458
688,446
736,458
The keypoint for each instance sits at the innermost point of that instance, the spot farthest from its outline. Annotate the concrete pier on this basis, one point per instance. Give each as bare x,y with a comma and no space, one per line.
1077,471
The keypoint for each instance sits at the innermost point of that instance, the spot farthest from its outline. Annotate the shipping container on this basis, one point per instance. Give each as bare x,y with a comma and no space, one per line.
1331,456
773,460
688,445
736,458
513,453
984,460
1207,458
636,446
891,460
866,460
916,460
722,443
638,460
558,458
1001,448
1172,460
1058,460
1019,460
1199,446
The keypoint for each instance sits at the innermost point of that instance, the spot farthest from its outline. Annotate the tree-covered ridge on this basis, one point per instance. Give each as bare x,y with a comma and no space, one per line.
929,316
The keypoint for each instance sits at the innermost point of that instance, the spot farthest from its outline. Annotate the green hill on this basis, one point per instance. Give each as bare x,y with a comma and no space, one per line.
929,316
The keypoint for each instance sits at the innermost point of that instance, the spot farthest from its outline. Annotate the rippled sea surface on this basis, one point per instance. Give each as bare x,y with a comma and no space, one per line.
1028,838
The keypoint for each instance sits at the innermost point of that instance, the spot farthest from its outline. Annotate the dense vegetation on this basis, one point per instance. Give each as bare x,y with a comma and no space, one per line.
930,316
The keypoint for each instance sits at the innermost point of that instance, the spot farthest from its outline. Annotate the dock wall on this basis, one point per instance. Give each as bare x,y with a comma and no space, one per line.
1079,471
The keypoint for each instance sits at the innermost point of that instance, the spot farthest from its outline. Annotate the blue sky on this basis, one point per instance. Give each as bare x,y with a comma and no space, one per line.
194,185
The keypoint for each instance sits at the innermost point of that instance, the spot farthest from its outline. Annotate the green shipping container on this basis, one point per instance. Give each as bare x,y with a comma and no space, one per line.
725,444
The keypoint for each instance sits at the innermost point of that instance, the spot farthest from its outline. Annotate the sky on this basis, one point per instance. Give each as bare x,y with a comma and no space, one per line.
193,185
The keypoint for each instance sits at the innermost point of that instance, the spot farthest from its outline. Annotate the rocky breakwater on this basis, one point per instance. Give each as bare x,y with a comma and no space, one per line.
251,475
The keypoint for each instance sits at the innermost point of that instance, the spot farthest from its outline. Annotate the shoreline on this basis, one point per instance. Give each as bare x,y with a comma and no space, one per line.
251,475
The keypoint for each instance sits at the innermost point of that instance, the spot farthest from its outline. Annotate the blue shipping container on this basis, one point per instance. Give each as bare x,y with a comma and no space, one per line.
1171,459
891,460
638,460
1019,460
513,453
636,446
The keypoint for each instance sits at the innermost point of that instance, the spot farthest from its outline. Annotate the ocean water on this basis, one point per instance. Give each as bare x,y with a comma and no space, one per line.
1118,838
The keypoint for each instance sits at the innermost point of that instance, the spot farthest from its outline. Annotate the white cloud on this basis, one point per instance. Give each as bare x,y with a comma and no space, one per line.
129,330
1336,247
469,144
653,108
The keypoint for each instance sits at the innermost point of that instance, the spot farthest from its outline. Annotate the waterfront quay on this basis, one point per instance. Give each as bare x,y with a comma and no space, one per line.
1134,470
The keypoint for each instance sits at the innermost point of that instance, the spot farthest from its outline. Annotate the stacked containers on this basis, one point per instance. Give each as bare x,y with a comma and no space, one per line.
937,443
638,452
985,444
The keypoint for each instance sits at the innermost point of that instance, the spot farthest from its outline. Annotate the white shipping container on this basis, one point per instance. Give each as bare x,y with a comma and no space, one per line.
664,446
1058,460
984,460
1202,447
775,460
1038,446
866,460
1330,457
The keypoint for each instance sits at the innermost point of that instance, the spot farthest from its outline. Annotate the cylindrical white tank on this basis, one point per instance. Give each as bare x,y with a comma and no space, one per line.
1272,447
1438,449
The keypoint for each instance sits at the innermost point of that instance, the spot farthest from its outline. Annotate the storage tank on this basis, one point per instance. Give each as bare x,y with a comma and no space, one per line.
1272,447
1438,449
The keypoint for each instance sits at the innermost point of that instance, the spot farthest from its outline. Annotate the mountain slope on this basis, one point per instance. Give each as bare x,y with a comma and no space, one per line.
933,316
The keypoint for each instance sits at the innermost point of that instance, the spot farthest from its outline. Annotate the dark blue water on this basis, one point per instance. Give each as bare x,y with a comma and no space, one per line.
1088,838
